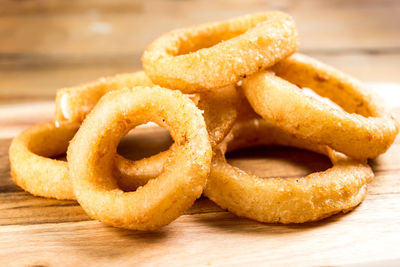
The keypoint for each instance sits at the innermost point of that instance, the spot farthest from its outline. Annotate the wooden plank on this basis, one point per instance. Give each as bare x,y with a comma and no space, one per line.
46,44
368,234
61,228
44,232
368,67
93,29
18,207
33,64
50,7
21,208
28,79
30,82
28,111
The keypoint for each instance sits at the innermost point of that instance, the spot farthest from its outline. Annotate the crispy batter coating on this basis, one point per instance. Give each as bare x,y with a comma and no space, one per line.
93,148
74,103
363,129
219,109
35,169
207,63
43,176
218,54
284,200
32,167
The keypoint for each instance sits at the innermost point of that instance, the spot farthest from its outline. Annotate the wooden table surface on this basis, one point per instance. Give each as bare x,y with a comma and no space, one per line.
45,45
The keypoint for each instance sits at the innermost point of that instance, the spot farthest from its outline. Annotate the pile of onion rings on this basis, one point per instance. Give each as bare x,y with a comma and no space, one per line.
224,86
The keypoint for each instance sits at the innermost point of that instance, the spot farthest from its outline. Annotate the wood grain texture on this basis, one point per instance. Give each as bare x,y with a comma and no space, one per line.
24,80
46,44
38,231
133,24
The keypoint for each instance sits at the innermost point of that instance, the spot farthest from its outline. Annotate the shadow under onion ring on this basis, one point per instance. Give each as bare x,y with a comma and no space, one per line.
284,200
92,151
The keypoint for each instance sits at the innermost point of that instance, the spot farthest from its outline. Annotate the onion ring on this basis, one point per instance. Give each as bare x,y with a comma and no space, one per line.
34,169
219,111
74,103
31,167
91,152
364,135
289,200
218,54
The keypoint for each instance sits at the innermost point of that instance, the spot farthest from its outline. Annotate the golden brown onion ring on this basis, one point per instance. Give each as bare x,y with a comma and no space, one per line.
32,167
34,170
218,54
91,158
74,103
219,111
284,200
364,135
218,106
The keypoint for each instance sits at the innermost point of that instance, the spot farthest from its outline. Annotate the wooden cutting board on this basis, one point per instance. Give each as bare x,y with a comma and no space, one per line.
45,232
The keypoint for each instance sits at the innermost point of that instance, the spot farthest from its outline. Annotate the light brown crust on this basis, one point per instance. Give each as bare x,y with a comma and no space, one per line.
284,200
364,135
92,150
36,172
218,54
74,103
31,166
219,109
34,168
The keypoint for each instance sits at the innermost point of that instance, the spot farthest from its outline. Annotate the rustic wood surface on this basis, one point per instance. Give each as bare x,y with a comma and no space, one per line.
45,45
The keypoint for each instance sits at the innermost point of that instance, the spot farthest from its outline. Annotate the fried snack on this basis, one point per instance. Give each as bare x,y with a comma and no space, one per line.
219,111
44,176
93,148
31,166
218,54
206,63
284,200
35,169
74,103
363,129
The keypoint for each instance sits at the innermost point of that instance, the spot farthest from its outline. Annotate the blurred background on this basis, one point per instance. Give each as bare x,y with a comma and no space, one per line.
48,44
